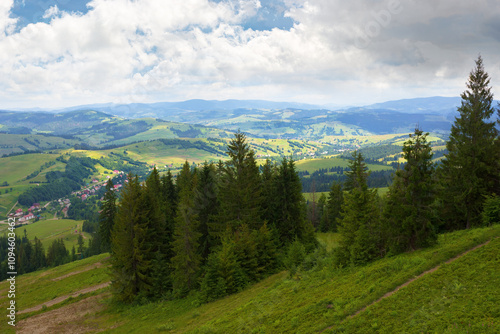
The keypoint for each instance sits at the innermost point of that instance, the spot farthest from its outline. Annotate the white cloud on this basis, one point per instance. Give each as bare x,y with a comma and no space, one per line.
338,51
51,12
7,24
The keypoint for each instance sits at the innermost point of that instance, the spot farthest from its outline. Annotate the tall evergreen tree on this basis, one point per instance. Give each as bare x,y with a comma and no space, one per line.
185,245
360,224
290,218
157,241
334,206
107,216
470,169
408,212
239,194
206,206
130,269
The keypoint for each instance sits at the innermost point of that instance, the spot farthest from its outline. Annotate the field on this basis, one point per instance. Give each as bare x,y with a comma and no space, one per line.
312,165
49,230
458,296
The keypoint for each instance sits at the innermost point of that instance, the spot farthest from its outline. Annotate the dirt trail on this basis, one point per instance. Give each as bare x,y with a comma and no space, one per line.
93,266
390,293
67,319
63,298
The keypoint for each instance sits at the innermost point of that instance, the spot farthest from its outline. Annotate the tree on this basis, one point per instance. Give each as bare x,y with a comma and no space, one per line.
334,206
185,245
360,224
107,216
289,208
470,169
408,213
240,194
206,206
129,268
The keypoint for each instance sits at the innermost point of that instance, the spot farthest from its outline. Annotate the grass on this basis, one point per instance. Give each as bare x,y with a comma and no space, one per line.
314,300
49,230
461,297
14,169
44,285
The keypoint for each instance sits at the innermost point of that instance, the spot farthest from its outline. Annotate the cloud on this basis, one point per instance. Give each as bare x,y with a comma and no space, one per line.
336,51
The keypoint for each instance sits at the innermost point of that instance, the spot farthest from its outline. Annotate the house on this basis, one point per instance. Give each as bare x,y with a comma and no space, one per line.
36,205
27,217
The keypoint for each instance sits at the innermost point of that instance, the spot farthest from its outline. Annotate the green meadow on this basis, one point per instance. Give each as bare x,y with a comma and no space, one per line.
51,229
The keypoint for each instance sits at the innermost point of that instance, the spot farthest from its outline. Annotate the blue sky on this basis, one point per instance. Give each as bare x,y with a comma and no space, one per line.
63,53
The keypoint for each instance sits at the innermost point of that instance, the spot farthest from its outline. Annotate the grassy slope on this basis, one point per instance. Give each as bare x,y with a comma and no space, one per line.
315,300
49,230
461,297
14,169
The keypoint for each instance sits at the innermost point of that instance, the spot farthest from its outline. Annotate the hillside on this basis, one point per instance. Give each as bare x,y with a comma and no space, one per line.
319,298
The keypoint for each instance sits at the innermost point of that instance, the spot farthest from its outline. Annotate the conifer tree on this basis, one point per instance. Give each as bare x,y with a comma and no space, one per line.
408,212
157,244
130,269
107,216
185,245
290,214
334,205
470,170
206,206
239,194
360,224
268,192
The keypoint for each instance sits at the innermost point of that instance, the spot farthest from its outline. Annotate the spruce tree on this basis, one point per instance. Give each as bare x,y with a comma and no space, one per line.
408,213
185,245
129,267
470,171
360,224
334,205
290,216
206,206
107,216
240,193
157,240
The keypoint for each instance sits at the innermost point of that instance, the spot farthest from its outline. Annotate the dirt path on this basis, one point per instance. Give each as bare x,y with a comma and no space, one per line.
390,293
63,298
67,319
93,266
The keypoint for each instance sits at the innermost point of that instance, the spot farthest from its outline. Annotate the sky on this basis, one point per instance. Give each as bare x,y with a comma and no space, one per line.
60,53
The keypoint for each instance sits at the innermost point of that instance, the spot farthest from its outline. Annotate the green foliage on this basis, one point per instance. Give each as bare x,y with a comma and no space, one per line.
491,210
240,195
130,267
107,216
470,170
57,253
408,213
360,223
333,212
295,256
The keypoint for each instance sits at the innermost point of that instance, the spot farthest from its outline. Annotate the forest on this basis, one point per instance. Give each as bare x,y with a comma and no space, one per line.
221,227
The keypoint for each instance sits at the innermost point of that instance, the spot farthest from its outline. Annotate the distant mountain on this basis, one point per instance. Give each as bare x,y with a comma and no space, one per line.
433,105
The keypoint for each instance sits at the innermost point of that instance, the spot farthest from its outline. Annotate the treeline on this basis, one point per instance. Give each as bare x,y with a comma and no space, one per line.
42,167
460,193
31,255
60,183
320,181
215,230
